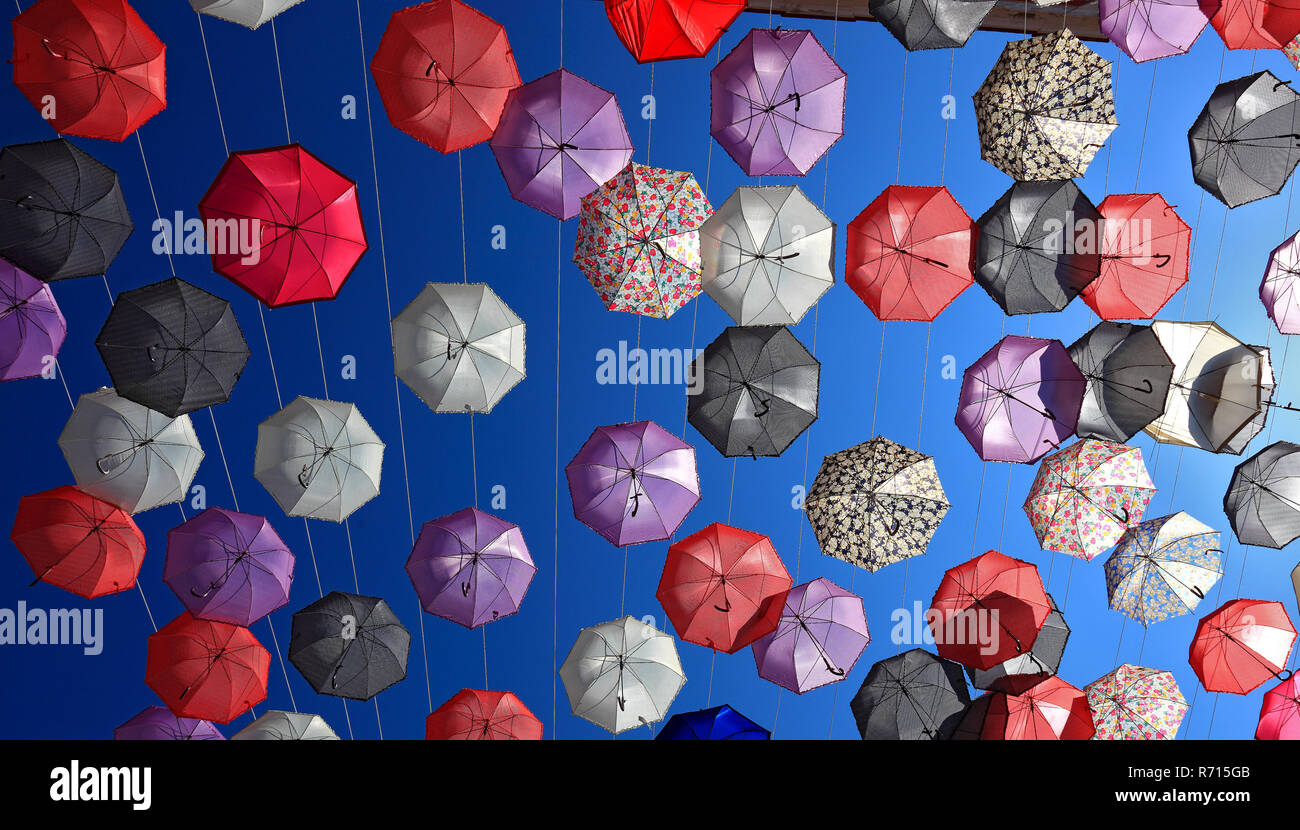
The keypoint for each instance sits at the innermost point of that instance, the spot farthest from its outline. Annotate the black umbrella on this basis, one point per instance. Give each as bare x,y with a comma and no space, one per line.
62,214
931,24
1025,671
172,347
756,391
1038,246
1246,141
1127,373
349,646
914,696
1263,498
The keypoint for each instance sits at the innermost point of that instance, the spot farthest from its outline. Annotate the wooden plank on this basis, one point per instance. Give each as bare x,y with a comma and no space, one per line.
1014,16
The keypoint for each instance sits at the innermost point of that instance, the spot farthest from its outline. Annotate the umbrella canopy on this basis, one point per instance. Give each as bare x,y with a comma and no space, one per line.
1133,703
1087,495
1279,716
458,347
759,391
1243,144
287,226
1020,400
1038,247
721,723
1267,386
62,214
1263,498
443,70
348,645
250,13
1018,674
1217,389
1051,711
559,138
277,725
1292,51
821,634
470,567
767,255
129,455
1150,29
639,241
777,102
172,347
1144,257
477,715
97,59
1278,290
723,587
318,459
657,30
1162,568
633,483
622,674
909,253
229,567
988,610
931,24
1126,374
207,670
875,504
32,327
157,723
1254,24
78,542
914,696
1242,644
1046,108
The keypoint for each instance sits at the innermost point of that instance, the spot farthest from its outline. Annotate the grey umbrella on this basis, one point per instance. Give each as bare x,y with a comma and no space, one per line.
1263,498
914,696
1246,141
349,645
931,24
1127,374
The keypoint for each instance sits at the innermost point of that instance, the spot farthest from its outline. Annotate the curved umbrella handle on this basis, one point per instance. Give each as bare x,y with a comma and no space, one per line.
1165,257
1149,388
767,407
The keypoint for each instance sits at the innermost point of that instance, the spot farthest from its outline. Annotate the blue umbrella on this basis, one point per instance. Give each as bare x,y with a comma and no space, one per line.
721,723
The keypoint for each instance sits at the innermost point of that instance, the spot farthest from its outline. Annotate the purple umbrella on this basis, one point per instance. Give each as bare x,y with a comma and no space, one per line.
778,102
157,723
229,567
1020,400
470,567
633,483
822,632
560,138
1150,29
31,326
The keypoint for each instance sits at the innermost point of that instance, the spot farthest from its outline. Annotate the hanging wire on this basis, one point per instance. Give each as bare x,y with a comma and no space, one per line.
555,567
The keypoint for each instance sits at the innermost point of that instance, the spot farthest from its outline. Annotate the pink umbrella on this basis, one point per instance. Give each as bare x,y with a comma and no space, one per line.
1279,717
1149,29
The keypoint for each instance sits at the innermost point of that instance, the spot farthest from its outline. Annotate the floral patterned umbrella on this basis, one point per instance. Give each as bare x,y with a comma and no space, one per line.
639,240
1087,495
1163,567
1134,703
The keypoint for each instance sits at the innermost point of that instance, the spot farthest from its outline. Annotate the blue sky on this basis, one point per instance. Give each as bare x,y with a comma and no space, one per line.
57,692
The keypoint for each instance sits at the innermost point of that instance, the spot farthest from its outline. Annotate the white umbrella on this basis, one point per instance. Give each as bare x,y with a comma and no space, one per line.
622,674
277,725
250,13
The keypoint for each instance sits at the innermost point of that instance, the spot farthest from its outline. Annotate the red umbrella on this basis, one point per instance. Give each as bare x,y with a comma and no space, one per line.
1254,24
207,670
988,610
910,253
1051,711
1279,716
78,542
723,587
91,67
1242,645
476,715
657,30
444,70
299,218
1144,257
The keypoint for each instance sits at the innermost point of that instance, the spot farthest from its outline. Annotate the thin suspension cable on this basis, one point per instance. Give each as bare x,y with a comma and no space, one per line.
555,566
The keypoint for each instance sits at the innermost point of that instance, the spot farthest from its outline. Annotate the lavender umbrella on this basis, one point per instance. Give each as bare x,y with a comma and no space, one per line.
1150,29
821,634
559,139
229,567
470,567
31,326
157,723
777,102
1020,400
633,483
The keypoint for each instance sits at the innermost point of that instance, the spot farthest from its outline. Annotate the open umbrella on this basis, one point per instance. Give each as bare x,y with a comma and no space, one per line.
777,102
458,347
622,674
721,723
913,696
1018,674
639,242
62,214
478,715
1134,703
348,645
1241,644
1151,29
657,30
875,503
1051,711
32,327
78,542
1162,568
227,566
559,138
758,391
1267,386
821,634
157,723
1020,400
1254,24
988,610
931,24
1126,374
172,347
1280,289
1263,498
1144,257
910,253
250,13
1244,143
767,255
443,70
207,670
1279,715
277,725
